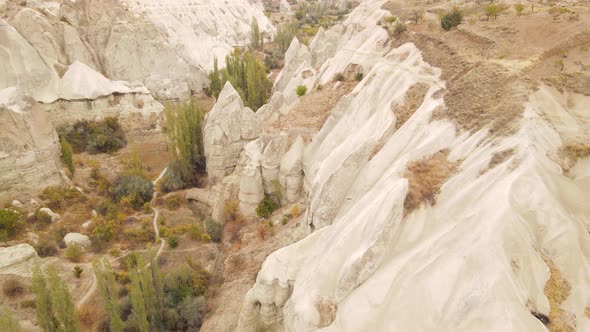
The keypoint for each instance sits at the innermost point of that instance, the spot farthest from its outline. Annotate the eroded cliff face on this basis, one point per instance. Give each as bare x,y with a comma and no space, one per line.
158,44
29,147
423,215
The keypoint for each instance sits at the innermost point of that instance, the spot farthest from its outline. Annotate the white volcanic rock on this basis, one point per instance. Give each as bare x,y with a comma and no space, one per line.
17,259
294,57
74,48
305,75
479,253
29,148
285,7
77,238
274,147
82,82
37,30
251,187
21,65
291,172
197,25
227,128
47,7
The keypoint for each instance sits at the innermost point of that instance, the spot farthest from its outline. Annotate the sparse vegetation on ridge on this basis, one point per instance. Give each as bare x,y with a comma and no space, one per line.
104,136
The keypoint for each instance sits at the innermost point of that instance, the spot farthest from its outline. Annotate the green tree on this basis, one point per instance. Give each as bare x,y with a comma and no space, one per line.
255,37
184,126
284,35
66,154
63,307
137,298
247,74
108,290
55,309
8,322
215,79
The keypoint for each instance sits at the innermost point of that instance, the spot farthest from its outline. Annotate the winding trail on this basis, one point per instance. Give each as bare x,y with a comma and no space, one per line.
93,286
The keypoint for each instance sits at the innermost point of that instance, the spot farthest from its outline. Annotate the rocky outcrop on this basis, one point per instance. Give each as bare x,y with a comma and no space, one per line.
297,54
21,66
228,127
154,43
29,148
251,185
54,216
77,238
291,172
18,260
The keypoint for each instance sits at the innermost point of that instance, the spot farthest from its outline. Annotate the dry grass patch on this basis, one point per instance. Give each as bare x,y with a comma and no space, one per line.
426,177
327,310
587,312
557,290
498,158
414,98
13,287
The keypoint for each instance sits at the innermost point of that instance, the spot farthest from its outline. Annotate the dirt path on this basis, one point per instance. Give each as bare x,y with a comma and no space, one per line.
156,231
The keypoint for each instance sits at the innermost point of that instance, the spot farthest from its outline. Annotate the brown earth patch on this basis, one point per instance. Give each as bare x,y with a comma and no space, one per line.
413,100
425,178
557,290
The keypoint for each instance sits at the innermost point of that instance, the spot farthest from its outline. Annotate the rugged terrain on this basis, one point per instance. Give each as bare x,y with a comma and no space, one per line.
429,180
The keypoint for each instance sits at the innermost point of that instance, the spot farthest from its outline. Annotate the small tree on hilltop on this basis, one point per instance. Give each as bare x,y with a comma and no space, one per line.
519,7
492,10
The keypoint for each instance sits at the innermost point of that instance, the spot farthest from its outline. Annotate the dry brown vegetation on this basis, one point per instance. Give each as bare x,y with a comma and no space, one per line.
425,178
13,287
557,290
414,98
327,310
498,158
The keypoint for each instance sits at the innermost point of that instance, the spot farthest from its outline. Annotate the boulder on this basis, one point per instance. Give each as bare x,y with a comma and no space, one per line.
54,216
77,238
11,257
16,203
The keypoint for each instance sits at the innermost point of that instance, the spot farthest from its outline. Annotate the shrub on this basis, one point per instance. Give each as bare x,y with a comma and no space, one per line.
263,230
196,233
192,312
214,229
105,136
295,211
173,242
390,19
231,210
173,202
43,217
492,10
46,248
134,187
359,76
10,223
339,77
452,19
77,271
186,280
266,207
301,90
12,287
66,154
59,197
74,253
519,7
399,28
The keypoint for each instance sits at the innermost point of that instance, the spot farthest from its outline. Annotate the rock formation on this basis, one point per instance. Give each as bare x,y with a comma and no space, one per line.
291,172
228,127
77,238
18,260
29,147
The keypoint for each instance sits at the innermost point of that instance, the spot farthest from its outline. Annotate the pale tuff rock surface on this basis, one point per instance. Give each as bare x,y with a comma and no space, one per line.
82,82
477,257
18,260
227,128
21,65
291,172
193,26
159,44
77,238
296,54
251,185
29,147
